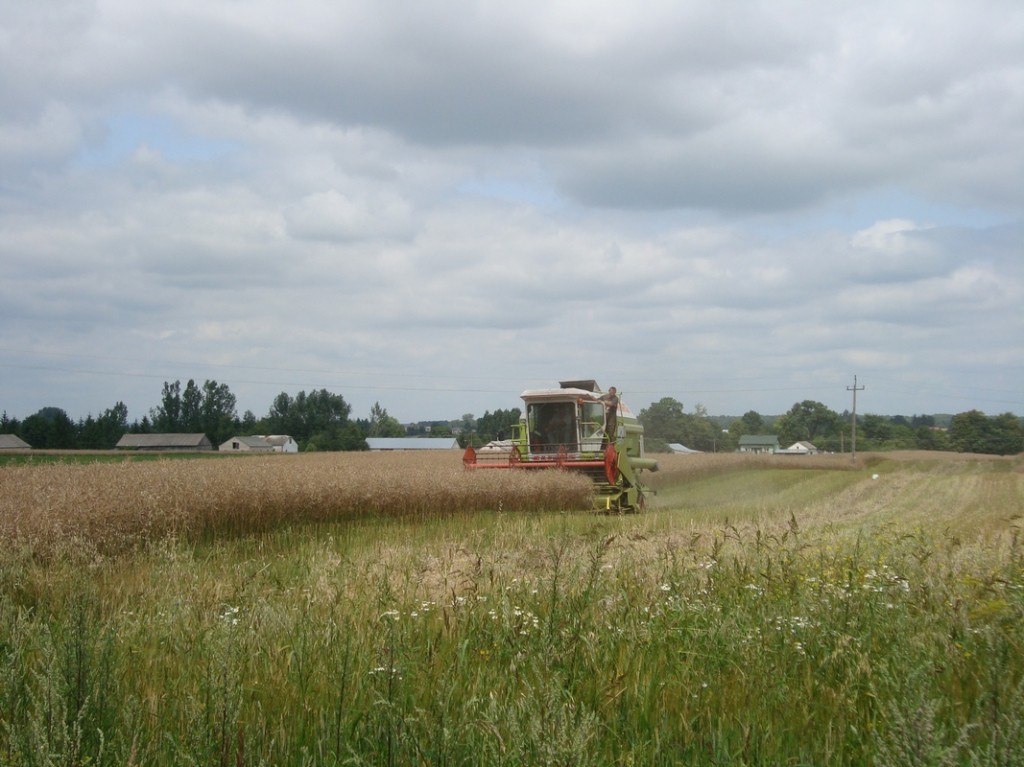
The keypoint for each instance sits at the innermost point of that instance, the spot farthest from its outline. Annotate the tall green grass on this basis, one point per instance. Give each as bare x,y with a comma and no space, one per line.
808,633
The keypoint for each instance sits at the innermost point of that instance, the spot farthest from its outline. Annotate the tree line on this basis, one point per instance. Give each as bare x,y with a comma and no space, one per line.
317,420
666,421
321,420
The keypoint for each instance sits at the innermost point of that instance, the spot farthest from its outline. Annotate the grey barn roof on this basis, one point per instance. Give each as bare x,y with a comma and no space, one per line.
759,439
412,443
165,441
13,442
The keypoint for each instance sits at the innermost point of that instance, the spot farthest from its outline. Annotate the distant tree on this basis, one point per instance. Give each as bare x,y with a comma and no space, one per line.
114,423
9,425
875,427
879,432
218,416
700,432
968,432
1008,434
383,425
666,421
753,423
279,419
319,413
337,436
209,409
102,433
496,425
975,432
927,438
191,419
50,429
166,417
808,421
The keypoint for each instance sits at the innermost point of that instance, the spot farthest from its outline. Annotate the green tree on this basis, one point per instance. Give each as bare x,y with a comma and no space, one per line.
218,418
166,417
663,422
191,420
968,432
666,421
753,423
337,436
700,432
383,425
209,409
808,421
927,438
9,425
102,433
496,425
750,423
975,432
50,429
1007,434
249,424
319,413
467,424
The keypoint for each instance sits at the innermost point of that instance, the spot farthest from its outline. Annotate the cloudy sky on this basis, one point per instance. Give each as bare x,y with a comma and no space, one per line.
436,205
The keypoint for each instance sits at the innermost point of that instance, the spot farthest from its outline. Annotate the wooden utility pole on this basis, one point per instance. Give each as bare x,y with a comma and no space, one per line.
854,389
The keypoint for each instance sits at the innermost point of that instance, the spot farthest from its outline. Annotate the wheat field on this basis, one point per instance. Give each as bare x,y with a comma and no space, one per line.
761,612
84,509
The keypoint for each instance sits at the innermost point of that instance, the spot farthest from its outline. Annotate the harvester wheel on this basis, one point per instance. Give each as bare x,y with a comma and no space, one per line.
514,456
611,465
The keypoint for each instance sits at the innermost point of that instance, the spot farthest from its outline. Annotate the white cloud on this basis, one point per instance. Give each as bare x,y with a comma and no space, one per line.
739,208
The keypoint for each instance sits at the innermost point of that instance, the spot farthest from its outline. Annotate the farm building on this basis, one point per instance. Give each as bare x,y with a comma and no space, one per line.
675,447
13,442
412,443
168,443
799,448
281,443
759,443
246,445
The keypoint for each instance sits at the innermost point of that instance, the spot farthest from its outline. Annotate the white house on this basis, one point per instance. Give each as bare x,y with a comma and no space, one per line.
759,443
281,443
799,448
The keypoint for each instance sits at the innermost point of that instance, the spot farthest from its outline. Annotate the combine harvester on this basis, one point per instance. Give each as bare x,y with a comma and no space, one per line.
578,428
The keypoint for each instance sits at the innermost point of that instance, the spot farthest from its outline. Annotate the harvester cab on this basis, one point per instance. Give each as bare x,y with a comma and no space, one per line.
576,427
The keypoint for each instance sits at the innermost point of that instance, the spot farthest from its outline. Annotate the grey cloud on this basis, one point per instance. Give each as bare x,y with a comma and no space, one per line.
516,190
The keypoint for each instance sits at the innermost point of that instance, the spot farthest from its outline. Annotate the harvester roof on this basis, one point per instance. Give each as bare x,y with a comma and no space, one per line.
555,395
584,387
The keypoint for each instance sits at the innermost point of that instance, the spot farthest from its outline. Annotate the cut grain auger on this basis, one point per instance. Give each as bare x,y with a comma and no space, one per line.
576,427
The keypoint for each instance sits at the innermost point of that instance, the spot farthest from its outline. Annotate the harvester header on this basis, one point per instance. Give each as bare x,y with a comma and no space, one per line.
576,427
